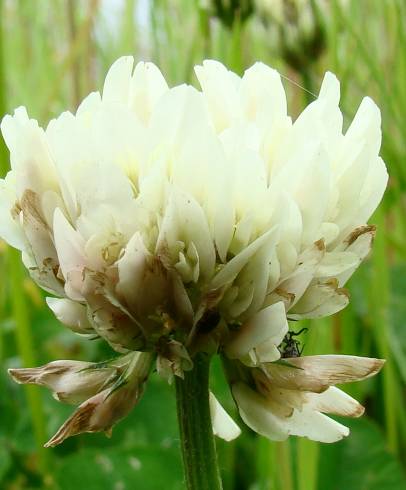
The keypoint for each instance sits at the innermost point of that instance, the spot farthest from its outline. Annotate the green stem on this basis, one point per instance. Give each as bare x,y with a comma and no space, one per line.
196,432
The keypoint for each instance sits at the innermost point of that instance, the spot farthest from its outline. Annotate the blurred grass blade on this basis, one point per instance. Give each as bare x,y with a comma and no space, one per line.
19,308
379,304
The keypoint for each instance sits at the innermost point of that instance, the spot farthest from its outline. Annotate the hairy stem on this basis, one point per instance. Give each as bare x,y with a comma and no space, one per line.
196,432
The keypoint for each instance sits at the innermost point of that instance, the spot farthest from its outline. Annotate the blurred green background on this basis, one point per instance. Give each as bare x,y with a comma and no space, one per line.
53,52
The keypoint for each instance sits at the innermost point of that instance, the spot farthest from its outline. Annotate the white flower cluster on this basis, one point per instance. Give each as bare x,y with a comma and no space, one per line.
172,220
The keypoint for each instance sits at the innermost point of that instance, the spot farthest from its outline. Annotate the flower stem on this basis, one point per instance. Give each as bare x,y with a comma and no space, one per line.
196,432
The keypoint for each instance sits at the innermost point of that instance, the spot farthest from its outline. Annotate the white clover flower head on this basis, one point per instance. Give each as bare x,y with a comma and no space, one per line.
172,221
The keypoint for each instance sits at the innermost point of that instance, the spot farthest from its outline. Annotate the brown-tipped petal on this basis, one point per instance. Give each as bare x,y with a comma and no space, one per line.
71,381
292,288
41,375
103,410
358,242
259,413
99,413
317,373
334,401
323,298
80,421
24,375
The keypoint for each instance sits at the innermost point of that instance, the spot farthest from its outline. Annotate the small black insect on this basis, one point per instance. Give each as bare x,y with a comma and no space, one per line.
291,347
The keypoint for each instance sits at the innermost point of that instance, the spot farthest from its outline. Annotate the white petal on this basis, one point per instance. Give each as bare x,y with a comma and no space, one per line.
315,426
70,249
220,89
334,263
118,80
366,126
29,153
148,85
261,415
146,284
269,324
70,313
256,412
330,89
373,189
230,271
131,268
263,95
10,227
185,222
334,401
255,277
89,104
267,351
223,425
294,286
323,298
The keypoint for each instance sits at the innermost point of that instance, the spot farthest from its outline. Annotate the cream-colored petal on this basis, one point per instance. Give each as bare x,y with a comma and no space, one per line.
106,408
317,373
72,382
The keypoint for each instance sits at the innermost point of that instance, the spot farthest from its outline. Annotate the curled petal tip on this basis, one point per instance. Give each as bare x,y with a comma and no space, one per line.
377,366
358,412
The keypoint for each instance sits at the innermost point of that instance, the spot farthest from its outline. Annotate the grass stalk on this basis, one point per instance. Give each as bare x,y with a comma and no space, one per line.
379,304
19,308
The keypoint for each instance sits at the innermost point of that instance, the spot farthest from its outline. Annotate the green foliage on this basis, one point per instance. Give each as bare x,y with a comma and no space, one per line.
55,51
361,462
148,468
